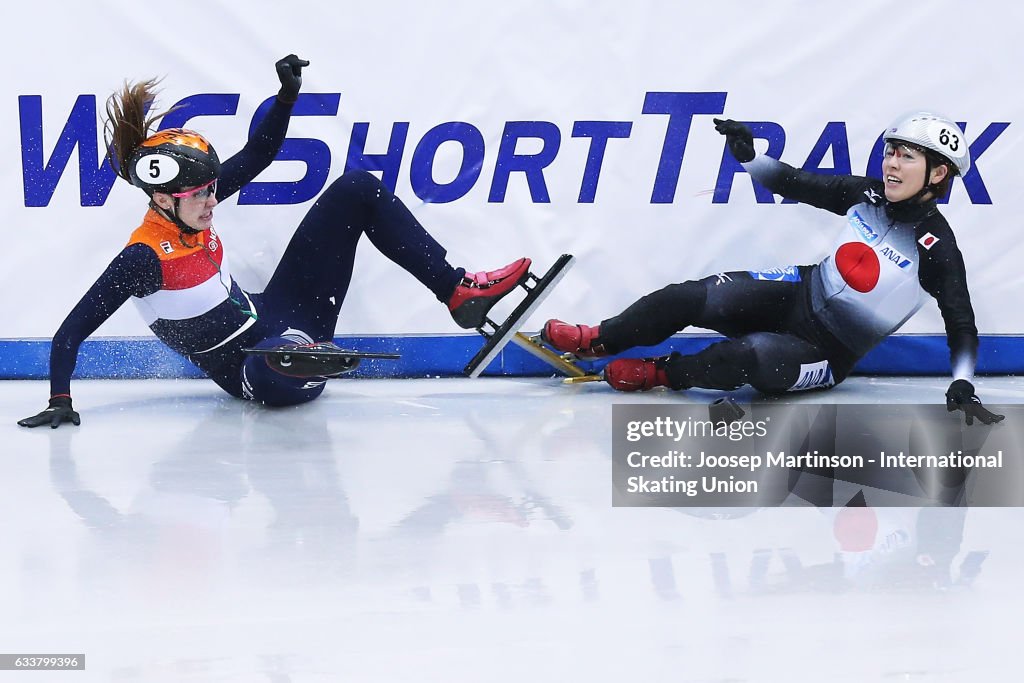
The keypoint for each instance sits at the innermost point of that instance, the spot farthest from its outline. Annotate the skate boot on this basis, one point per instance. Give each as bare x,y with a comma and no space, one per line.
319,359
579,340
637,374
478,292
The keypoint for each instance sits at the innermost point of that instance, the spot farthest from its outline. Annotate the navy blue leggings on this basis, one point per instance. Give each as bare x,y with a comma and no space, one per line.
310,283
312,278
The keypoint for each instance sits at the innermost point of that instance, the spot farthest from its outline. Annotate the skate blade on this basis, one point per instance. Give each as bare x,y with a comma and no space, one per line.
564,363
506,332
343,353
582,379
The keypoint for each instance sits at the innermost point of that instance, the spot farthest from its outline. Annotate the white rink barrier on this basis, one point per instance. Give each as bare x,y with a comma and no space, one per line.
530,129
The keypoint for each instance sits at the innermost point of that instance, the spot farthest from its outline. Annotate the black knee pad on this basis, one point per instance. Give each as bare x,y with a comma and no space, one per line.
725,365
776,367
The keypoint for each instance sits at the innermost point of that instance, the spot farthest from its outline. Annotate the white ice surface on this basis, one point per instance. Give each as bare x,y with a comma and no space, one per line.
449,530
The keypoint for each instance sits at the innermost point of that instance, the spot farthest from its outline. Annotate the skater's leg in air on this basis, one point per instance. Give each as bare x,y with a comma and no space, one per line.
313,277
731,303
303,299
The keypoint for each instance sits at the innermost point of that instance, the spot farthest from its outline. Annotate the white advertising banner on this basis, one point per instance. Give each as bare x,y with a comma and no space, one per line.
509,129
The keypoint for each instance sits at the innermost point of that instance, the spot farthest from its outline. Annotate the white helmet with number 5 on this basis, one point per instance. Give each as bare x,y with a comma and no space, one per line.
936,133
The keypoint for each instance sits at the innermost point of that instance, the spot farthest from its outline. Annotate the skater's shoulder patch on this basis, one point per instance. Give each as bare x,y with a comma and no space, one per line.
786,274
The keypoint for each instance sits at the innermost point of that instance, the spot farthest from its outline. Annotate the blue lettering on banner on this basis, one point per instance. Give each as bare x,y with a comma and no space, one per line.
599,133
787,274
832,138
531,165
200,105
681,107
421,174
729,167
387,163
315,154
44,162
95,176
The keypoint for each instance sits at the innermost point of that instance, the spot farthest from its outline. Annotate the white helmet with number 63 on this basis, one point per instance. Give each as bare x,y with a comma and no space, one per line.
936,133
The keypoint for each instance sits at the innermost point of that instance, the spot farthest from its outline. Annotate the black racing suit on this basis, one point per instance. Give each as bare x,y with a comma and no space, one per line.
804,327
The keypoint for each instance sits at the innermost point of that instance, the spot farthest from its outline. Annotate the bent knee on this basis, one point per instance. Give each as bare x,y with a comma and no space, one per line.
262,384
358,179
774,371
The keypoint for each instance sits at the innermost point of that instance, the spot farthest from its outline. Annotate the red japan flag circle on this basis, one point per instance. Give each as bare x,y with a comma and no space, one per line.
855,528
858,265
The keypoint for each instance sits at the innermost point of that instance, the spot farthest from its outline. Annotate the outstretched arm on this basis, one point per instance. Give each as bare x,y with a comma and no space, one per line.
835,193
943,275
266,140
135,271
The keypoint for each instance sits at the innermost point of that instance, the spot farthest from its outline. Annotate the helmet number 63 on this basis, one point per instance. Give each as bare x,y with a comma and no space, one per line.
948,139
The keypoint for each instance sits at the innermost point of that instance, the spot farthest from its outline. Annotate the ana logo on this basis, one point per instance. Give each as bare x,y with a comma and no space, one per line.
814,376
928,241
896,257
166,246
861,227
787,274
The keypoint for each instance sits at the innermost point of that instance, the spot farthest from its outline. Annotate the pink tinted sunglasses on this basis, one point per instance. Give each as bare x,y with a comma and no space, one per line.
201,192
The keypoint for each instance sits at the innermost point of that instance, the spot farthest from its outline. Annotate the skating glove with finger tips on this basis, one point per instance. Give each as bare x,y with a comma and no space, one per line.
289,70
960,396
60,411
739,138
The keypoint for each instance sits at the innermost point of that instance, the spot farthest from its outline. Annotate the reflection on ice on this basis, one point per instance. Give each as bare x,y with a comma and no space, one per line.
420,530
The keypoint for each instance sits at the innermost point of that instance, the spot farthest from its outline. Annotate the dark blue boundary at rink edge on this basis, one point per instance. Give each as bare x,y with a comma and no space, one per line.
447,355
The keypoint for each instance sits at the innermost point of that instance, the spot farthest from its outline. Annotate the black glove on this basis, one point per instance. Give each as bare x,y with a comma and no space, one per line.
739,137
960,396
59,411
289,70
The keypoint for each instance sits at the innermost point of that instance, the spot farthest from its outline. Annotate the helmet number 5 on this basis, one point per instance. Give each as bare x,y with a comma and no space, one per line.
156,169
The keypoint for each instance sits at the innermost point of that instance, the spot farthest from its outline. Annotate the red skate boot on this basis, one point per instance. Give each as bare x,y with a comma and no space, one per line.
478,292
637,374
578,340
